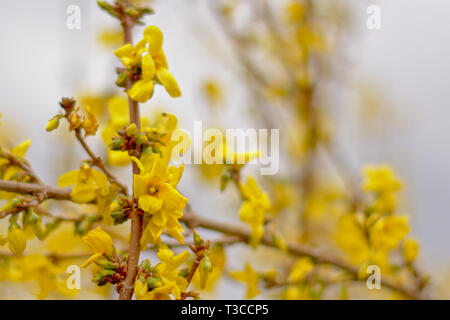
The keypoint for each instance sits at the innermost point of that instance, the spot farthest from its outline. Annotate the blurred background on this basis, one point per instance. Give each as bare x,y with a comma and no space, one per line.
386,98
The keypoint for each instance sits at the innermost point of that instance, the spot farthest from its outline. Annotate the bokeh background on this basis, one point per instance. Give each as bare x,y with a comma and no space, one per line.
394,108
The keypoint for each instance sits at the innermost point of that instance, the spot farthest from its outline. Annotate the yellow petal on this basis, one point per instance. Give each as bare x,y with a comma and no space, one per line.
101,181
17,241
83,193
154,37
148,68
99,241
169,82
91,259
165,254
140,184
139,164
21,150
141,90
68,179
149,203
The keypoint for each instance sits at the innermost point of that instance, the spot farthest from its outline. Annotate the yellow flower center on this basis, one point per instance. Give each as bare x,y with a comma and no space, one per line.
153,189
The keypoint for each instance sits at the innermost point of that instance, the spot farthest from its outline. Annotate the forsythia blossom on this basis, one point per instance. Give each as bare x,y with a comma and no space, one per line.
250,277
164,280
147,61
256,202
89,183
155,189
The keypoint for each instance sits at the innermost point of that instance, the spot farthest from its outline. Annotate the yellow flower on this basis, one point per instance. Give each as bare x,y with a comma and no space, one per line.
153,65
100,244
17,241
388,231
11,171
380,178
155,189
295,12
90,124
170,282
410,250
140,289
21,150
154,37
89,183
250,277
213,92
36,267
129,55
351,239
302,292
256,203
142,90
300,269
165,128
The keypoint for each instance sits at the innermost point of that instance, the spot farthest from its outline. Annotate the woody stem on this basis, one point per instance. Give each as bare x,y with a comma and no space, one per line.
98,162
126,291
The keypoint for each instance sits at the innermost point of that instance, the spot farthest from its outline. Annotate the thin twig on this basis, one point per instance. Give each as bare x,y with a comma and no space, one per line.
98,162
295,249
33,188
21,163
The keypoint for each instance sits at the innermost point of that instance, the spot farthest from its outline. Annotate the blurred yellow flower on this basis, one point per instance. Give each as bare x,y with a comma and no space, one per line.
250,277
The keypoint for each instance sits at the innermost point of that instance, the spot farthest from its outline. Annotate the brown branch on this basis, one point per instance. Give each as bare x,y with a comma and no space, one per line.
98,162
21,207
54,257
21,163
194,268
126,291
193,220
33,188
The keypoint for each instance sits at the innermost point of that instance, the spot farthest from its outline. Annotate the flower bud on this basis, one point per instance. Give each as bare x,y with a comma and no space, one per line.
153,134
132,130
119,217
17,241
117,144
184,273
154,282
35,222
141,139
205,269
198,239
100,276
104,263
145,264
53,124
115,206
122,80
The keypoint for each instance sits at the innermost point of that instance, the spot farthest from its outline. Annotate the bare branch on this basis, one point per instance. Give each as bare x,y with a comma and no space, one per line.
296,249
98,162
